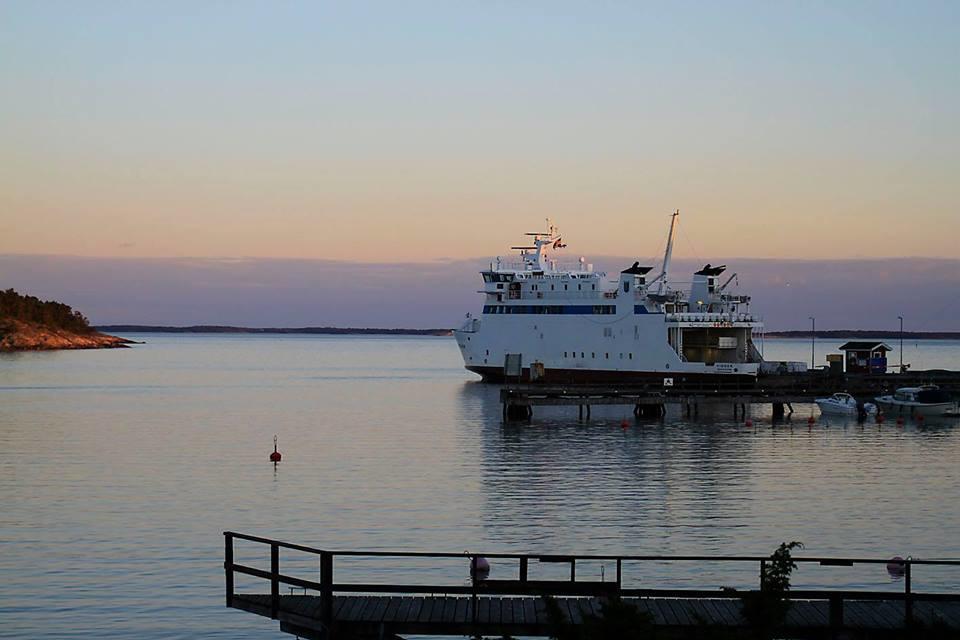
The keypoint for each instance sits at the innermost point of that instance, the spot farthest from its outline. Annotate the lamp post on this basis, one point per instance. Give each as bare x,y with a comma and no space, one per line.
813,342
900,318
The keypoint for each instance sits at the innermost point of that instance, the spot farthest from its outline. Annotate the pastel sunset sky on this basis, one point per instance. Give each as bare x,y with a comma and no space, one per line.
414,131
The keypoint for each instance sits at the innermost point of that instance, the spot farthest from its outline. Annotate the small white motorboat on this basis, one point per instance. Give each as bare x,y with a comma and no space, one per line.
846,405
928,400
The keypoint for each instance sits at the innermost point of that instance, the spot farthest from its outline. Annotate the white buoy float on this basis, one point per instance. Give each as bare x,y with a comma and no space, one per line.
896,567
479,568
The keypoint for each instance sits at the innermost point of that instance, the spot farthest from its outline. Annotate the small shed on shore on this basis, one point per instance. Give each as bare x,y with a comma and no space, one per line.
865,356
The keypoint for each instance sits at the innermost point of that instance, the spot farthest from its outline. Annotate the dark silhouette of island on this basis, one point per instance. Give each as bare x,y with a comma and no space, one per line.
28,323
365,331
861,333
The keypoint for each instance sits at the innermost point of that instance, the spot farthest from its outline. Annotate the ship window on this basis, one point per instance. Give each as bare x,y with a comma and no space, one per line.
594,287
564,354
582,355
551,287
593,355
621,356
500,286
631,356
579,287
488,351
606,356
564,287
626,286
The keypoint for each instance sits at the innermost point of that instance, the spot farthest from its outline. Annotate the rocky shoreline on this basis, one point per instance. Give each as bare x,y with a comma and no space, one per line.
16,335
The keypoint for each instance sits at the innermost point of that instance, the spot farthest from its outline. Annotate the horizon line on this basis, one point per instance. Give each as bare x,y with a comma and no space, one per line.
240,258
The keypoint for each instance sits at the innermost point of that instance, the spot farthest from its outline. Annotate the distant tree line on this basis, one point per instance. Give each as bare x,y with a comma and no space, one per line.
143,328
844,334
14,306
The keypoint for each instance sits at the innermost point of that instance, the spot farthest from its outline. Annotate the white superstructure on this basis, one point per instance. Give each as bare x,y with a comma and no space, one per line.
543,321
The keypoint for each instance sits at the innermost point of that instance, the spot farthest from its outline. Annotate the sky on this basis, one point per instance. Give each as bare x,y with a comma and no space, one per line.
415,131
316,141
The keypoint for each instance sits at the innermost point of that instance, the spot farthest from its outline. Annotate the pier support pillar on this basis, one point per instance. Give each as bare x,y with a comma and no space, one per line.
778,410
517,412
650,410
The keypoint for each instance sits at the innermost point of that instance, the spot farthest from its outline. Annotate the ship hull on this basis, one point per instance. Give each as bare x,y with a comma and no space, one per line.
495,375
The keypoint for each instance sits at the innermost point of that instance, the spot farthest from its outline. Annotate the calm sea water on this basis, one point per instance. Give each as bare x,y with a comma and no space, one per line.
119,470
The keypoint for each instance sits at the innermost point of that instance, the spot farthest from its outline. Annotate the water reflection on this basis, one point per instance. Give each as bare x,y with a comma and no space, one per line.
709,485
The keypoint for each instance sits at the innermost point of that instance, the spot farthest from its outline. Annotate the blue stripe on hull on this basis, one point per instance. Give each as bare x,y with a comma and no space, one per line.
596,376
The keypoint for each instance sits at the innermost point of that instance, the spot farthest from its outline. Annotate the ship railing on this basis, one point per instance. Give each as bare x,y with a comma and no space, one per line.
558,295
711,317
556,269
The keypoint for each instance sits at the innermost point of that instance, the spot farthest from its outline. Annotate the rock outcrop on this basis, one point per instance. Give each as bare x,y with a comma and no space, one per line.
17,335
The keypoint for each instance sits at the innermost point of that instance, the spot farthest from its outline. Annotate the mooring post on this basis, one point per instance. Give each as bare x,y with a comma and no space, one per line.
523,569
474,596
619,575
326,589
836,612
908,595
274,580
228,565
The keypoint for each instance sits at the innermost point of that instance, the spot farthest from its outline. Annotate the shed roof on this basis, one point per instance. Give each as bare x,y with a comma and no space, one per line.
865,346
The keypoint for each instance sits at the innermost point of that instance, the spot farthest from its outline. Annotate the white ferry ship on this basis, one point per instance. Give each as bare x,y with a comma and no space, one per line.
543,322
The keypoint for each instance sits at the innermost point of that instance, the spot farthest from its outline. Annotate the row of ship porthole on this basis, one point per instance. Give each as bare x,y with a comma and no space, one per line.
606,356
573,354
593,354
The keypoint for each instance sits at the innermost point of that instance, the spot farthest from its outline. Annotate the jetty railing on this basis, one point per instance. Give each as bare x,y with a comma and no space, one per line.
478,586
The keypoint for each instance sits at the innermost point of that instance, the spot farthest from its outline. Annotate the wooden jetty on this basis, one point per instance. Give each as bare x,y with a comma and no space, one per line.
650,399
525,605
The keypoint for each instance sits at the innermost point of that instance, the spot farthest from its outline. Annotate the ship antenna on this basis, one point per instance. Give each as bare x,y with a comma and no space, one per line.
669,252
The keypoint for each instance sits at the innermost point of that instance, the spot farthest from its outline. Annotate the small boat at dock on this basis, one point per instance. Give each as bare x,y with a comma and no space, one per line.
927,400
846,405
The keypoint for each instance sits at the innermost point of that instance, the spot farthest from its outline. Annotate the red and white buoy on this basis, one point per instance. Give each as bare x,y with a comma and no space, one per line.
275,456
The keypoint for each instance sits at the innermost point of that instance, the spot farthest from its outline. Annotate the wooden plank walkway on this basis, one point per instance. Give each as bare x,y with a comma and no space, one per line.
392,616
519,606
